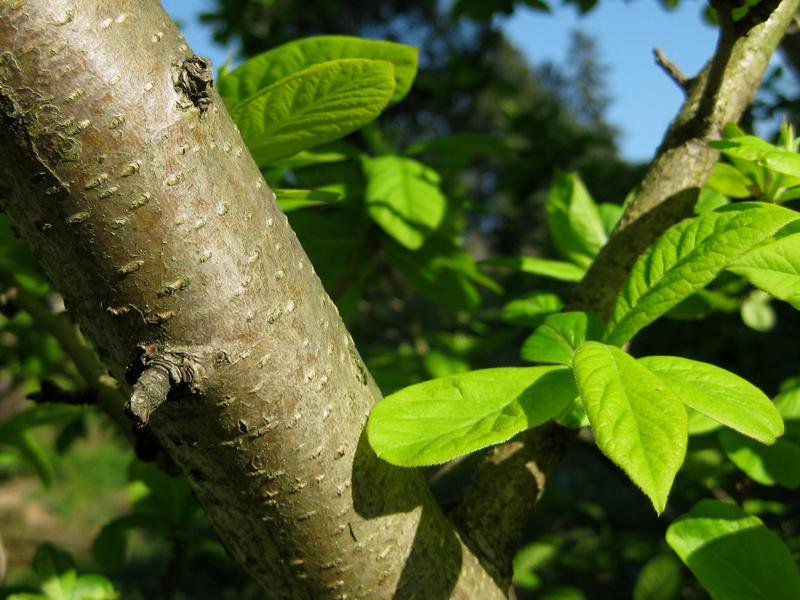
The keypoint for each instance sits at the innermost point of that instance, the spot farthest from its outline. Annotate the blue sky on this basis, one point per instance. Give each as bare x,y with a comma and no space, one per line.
644,99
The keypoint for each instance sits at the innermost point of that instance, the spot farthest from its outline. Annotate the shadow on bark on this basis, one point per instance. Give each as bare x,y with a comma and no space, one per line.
434,562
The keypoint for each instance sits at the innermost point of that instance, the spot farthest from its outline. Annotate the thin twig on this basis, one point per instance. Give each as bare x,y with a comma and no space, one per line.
89,367
672,70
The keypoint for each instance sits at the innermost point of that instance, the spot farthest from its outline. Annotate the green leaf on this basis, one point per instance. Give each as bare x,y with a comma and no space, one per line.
785,162
774,267
733,554
638,422
317,105
702,303
270,67
403,197
435,421
687,258
56,572
290,200
552,269
729,181
439,363
532,557
94,587
709,200
610,214
719,394
778,464
788,405
757,312
36,455
574,220
659,579
559,336
530,309
441,272
700,424
745,147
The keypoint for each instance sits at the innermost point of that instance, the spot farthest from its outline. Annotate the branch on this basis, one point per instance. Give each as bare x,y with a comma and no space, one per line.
513,477
672,71
719,94
149,392
133,186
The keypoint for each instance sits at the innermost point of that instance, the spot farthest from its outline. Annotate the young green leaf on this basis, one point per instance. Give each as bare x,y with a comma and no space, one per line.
730,181
435,421
573,220
531,309
270,67
784,162
733,554
659,579
56,571
745,147
700,424
757,312
552,269
290,200
774,267
317,105
719,394
778,464
559,336
637,421
441,272
709,200
687,258
403,197
788,405
610,214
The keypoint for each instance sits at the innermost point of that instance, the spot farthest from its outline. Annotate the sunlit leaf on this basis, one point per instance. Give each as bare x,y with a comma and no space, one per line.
267,68
637,421
438,420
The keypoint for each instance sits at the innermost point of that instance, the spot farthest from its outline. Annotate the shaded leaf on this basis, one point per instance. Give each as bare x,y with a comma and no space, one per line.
531,309
552,269
574,220
778,464
659,579
733,554
757,312
290,200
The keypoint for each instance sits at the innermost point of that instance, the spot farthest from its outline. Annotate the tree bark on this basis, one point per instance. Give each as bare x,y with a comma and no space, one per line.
122,169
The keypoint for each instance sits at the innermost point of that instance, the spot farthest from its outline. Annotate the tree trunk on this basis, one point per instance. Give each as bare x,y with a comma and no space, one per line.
122,169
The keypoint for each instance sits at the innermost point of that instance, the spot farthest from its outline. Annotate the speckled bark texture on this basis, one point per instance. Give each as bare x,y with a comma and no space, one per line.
121,167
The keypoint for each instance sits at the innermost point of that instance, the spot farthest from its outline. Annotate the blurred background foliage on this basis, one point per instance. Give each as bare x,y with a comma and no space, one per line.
490,133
